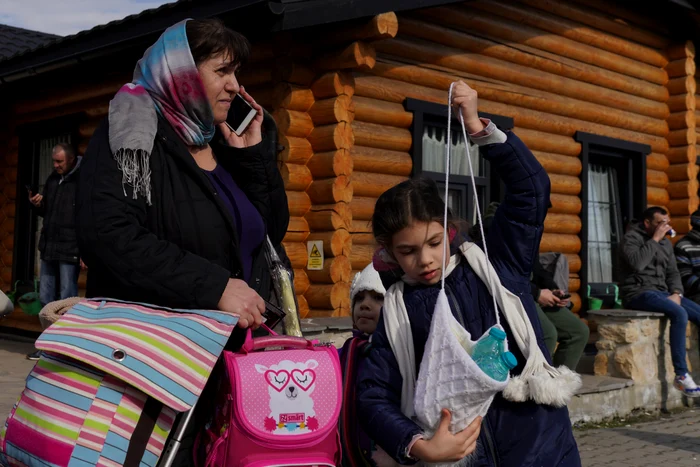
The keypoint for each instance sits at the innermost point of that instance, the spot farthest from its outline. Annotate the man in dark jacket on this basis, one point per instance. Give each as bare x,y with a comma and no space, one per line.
58,245
651,282
688,259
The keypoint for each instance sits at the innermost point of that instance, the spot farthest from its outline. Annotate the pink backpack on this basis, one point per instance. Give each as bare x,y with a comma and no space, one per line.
276,407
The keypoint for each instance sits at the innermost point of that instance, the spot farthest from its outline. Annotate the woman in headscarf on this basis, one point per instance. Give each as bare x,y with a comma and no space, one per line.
173,207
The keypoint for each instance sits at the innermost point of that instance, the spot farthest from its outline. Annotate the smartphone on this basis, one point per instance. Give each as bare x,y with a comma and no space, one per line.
273,315
240,115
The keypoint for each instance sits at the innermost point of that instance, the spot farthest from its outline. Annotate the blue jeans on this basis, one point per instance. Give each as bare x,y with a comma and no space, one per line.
67,276
657,301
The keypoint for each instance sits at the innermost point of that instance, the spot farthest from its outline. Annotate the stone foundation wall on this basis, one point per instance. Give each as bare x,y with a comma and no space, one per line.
635,345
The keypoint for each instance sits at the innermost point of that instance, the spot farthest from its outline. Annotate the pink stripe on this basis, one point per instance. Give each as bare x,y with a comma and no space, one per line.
135,349
91,438
38,444
59,378
56,413
212,324
184,343
118,371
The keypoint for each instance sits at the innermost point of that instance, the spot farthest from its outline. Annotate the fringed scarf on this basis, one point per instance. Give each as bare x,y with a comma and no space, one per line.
166,82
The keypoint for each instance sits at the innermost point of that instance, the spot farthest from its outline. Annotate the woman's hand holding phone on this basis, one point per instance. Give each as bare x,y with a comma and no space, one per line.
252,135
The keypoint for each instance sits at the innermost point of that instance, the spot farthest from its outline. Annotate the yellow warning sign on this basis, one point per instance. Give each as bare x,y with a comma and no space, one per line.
315,255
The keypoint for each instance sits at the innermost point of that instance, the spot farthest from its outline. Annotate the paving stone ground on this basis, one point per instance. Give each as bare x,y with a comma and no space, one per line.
673,440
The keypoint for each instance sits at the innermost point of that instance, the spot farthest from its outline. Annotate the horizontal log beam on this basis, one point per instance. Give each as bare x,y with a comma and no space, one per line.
357,55
295,150
298,202
525,46
382,112
562,223
333,110
373,185
381,161
362,207
559,164
331,164
560,243
498,69
334,83
334,270
332,137
657,196
301,282
296,177
565,204
382,137
331,190
335,242
328,295
656,178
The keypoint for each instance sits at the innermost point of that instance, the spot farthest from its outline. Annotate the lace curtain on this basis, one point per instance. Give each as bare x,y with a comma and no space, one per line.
603,222
45,167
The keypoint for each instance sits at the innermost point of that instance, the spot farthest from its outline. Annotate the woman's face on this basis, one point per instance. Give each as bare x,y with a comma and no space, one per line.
418,250
365,312
218,75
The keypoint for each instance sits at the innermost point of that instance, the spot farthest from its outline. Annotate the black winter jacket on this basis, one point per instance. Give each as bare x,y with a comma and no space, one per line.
58,240
181,250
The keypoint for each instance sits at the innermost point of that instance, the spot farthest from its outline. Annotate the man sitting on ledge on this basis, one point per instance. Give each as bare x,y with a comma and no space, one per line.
651,282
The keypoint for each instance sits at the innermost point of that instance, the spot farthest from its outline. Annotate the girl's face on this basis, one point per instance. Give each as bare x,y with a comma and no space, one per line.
418,250
365,312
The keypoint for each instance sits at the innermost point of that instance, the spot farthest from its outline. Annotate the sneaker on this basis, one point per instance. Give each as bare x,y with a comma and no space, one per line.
34,355
686,385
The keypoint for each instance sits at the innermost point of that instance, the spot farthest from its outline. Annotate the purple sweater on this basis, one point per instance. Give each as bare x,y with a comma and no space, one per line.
249,223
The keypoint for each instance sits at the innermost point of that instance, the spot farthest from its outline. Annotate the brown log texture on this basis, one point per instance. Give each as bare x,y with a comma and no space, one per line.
382,112
657,196
331,190
362,207
295,150
498,69
605,16
327,296
373,185
301,281
299,203
334,83
335,242
530,47
560,243
335,269
331,164
657,179
357,55
381,136
361,255
438,77
296,177
657,162
296,253
562,223
332,137
565,204
333,110
293,123
381,161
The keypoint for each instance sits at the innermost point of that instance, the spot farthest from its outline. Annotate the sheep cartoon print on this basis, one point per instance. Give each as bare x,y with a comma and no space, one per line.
290,385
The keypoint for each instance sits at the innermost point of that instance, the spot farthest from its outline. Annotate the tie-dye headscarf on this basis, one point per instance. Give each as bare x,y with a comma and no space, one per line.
166,82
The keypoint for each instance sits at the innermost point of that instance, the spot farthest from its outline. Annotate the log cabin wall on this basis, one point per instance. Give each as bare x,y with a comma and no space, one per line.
554,68
682,183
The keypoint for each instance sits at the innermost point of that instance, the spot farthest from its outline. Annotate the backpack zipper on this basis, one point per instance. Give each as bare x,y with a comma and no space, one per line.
457,313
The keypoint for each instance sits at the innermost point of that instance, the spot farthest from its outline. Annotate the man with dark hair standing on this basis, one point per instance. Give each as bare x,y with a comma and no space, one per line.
651,282
58,245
